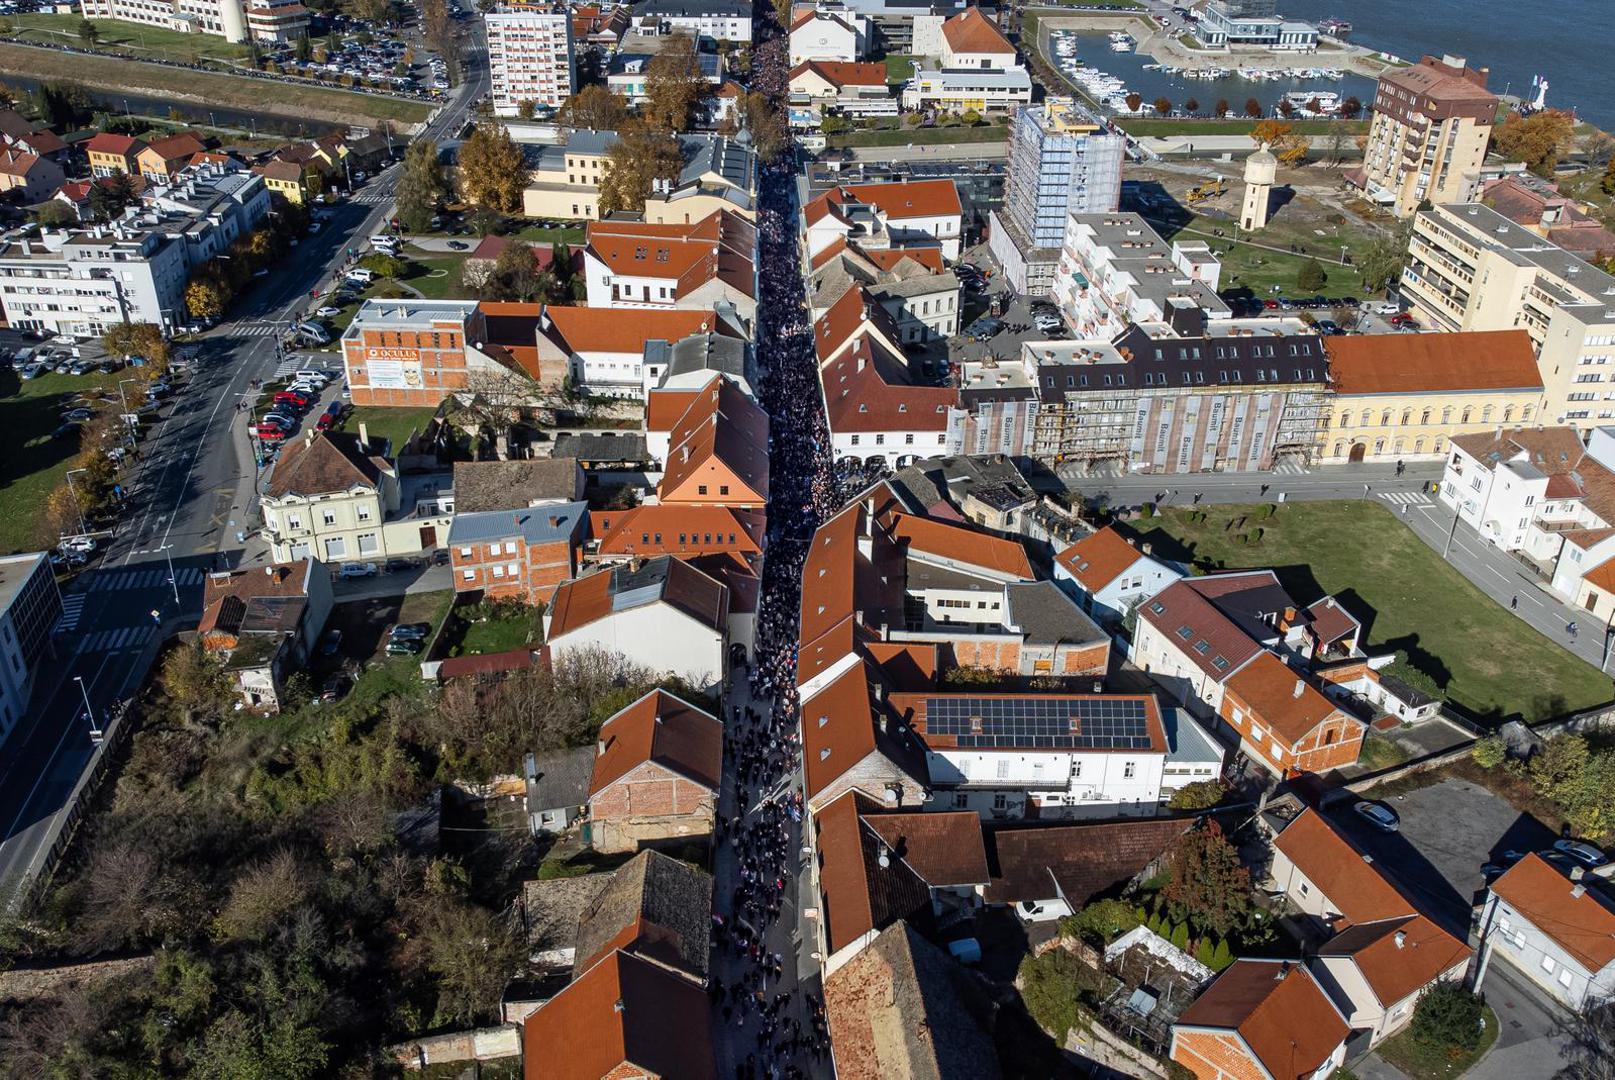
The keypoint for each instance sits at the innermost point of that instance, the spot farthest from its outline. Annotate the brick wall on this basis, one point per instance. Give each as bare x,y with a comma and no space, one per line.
1215,1057
649,803
1317,754
532,571
998,655
1084,659
440,353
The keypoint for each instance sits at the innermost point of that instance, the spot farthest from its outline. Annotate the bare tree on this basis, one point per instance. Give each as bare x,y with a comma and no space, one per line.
1589,1048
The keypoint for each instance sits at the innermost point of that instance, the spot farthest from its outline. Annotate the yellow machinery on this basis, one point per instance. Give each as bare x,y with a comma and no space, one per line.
1211,189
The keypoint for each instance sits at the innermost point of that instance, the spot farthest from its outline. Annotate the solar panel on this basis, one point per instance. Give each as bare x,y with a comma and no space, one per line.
1053,723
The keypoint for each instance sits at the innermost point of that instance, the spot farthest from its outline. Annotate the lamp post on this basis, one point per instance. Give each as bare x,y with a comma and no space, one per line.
128,423
77,506
89,711
173,582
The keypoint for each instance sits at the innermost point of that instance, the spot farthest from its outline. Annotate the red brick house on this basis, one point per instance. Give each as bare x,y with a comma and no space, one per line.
1261,1020
1284,721
657,769
523,554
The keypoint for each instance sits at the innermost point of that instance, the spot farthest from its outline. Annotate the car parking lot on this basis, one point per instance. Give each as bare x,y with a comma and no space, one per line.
1448,831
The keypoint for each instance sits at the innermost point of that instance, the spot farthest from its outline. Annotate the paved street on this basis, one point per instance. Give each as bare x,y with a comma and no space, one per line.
191,502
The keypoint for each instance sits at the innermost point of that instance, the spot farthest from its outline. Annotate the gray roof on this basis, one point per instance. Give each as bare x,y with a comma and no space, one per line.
666,904
729,158
1045,615
1525,248
992,478
699,352
535,525
561,779
15,570
608,446
551,909
1137,248
1186,740
675,8
512,485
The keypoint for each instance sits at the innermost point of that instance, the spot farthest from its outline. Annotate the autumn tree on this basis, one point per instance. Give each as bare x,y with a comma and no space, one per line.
767,126
63,513
1221,108
1380,264
1253,108
596,108
1134,100
421,185
637,159
1351,108
1209,886
110,195
1286,144
516,276
204,298
493,171
1538,140
674,85
138,339
1162,105
1286,108
1191,106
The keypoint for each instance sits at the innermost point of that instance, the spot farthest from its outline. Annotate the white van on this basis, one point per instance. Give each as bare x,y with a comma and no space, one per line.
384,240
361,275
310,375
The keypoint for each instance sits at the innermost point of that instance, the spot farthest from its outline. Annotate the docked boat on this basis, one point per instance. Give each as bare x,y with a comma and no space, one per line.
1320,102
1121,41
1335,27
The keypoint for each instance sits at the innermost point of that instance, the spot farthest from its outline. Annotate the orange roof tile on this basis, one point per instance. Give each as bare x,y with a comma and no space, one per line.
1398,957
1359,892
838,729
1475,360
589,330
681,530
910,198
1280,1011
1099,558
843,73
1282,699
725,428
964,545
865,390
1584,926
666,407
973,32
663,729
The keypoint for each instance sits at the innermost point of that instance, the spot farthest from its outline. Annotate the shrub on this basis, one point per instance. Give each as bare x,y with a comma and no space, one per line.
1102,920
1252,537
1204,952
1489,752
1147,511
1051,985
1447,1017
1221,956
1200,795
1180,935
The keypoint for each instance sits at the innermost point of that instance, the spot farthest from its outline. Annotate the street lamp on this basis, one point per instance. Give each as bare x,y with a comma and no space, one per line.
89,712
128,421
173,582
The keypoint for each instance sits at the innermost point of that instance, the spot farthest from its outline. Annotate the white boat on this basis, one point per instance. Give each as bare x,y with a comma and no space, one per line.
1121,41
1302,101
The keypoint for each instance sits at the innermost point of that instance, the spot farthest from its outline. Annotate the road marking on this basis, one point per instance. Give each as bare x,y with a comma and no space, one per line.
1405,498
72,611
67,729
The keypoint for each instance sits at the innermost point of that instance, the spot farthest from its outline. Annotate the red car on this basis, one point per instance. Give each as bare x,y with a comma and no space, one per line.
269,433
293,397
324,422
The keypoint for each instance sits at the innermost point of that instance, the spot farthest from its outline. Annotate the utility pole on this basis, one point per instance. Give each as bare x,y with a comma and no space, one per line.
77,506
173,582
89,712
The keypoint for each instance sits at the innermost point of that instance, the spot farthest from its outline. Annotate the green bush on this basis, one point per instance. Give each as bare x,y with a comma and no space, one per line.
1489,752
1204,952
1447,1017
1180,936
1147,510
1200,795
1051,986
1221,956
1102,920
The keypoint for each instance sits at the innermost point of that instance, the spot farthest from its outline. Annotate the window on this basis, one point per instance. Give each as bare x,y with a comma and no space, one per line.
335,548
1000,802
1548,965
465,553
1003,768
362,512
468,575
328,516
510,547
368,544
961,801
499,570
1128,770
701,489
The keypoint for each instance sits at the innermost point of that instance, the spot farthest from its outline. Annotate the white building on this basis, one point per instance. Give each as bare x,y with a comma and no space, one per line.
960,91
828,35
971,42
1557,932
900,214
233,20
1115,271
719,20
30,606
1110,575
911,284
695,267
530,55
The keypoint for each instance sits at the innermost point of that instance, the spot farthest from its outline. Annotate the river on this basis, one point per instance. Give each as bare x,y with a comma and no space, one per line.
192,112
1560,40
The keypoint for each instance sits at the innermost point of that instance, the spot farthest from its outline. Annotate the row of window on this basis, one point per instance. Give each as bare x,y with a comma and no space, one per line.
1425,416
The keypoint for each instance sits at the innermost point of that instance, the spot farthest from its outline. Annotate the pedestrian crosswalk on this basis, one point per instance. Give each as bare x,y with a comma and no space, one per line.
140,578
118,637
72,611
1405,498
258,330
1289,468
371,198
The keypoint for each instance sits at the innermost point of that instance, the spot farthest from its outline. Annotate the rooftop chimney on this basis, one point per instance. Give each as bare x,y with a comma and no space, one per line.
619,1006
1578,890
600,746
1300,687
1401,938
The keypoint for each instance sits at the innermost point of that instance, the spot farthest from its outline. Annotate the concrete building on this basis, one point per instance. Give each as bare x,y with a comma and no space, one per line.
692,267
234,20
900,214
1407,396
30,607
1555,930
1261,169
412,352
913,286
985,90
1111,575
972,42
1063,160
1227,24
27,177
658,767
828,35
1267,1018
902,27
1537,204
264,623
530,56
1470,268
717,20
1115,270
1427,140
719,173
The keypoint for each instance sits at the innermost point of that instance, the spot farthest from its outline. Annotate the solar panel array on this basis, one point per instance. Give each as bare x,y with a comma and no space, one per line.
1042,723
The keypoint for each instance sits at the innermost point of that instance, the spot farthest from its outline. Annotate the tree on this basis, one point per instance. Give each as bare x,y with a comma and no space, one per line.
138,339
516,276
421,185
971,117
1447,1017
1134,100
62,104
1588,1049
1351,108
1161,105
194,678
110,196
303,49
1191,106
1209,887
1489,752
493,172
1538,140
1200,795
1607,184
635,161
1380,264
437,30
1311,276
474,954
1281,138
1562,760
1103,920
766,124
383,265
1253,108
54,214
262,895
88,33
596,108
1286,109
674,85
64,514
204,298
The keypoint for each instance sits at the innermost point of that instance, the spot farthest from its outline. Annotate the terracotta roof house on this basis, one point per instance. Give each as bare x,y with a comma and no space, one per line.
1384,951
664,613
1556,929
717,451
1050,871
264,622
1266,1018
655,907
111,154
833,78
973,34
27,176
1286,722
872,869
896,214
523,553
903,1010
601,350
685,532
657,770
874,409
1473,360
697,266
1536,203
1110,574
624,1017
164,157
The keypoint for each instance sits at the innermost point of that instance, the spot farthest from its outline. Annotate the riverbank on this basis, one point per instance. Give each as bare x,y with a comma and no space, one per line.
277,97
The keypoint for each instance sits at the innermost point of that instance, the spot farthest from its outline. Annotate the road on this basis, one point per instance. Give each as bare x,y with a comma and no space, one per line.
191,502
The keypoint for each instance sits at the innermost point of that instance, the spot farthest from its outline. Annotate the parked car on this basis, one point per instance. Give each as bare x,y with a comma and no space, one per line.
1387,307
328,312
458,245
269,433
325,422
1582,852
331,643
77,416
395,566
411,631
65,431
1378,815
335,688
354,570
404,647
292,397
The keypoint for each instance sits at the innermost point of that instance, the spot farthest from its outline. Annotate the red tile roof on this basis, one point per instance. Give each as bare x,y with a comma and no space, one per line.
105,142
865,390
838,729
901,199
181,146
963,545
1283,700
1398,957
1278,1008
1473,360
1356,889
973,32
622,1011
725,433
681,530
1079,862
663,729
842,73
601,330
1099,558
859,896
1584,925
942,846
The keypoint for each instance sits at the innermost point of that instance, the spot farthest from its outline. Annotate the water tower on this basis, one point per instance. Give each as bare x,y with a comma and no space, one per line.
1261,169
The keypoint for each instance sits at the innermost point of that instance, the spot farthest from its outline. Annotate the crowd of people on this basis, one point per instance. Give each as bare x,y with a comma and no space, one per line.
775,1028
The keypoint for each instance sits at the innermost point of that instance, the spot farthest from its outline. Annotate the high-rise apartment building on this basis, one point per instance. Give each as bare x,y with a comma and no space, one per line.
1428,136
1063,160
530,55
1470,268
233,20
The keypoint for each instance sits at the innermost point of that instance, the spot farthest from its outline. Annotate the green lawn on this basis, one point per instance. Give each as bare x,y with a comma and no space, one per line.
573,235
1489,664
1421,1062
438,278
922,136
1380,753
900,67
495,628
1252,263
32,464
135,39
385,422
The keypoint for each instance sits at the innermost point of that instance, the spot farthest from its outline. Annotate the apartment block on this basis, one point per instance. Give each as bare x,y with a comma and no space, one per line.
1471,268
30,606
1428,136
1115,270
530,54
233,20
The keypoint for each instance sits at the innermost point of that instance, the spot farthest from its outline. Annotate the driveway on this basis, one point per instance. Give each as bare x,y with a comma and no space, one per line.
1449,830
1530,1040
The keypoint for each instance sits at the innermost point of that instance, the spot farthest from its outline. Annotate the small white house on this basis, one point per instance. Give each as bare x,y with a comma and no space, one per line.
1556,931
1109,575
828,35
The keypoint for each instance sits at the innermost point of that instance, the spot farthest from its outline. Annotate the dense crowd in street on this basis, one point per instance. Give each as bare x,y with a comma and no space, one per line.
776,1028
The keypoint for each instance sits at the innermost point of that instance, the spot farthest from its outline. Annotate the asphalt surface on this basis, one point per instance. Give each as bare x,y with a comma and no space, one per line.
190,507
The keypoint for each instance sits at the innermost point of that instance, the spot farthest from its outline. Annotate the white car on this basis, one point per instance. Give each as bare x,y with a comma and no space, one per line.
328,312
1387,307
352,570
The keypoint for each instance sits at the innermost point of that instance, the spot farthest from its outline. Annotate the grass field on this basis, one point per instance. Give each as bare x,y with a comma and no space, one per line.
1489,664
573,235
438,277
1421,1062
31,462
387,422
1254,264
923,136
126,37
279,96
899,67
508,627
